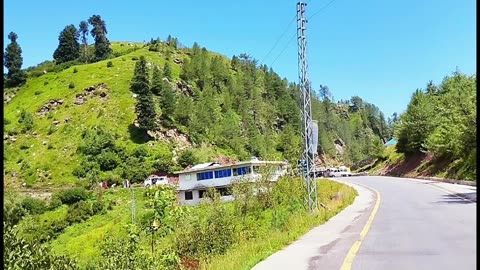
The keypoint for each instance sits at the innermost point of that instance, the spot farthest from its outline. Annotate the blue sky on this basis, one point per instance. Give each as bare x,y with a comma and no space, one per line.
380,50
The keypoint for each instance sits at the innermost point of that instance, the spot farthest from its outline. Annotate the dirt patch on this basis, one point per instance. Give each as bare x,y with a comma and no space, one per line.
405,167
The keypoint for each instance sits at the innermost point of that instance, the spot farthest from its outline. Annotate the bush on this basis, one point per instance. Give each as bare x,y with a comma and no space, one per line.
20,254
73,195
108,160
187,158
38,92
134,58
34,206
75,70
82,170
26,119
54,203
109,64
79,212
71,85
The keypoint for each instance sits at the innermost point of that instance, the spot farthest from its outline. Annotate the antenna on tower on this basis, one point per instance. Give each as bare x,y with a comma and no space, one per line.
310,128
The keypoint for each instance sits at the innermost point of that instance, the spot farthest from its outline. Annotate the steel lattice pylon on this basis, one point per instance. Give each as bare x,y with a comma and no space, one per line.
306,108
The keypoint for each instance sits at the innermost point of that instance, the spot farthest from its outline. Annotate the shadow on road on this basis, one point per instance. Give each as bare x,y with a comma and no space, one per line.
454,198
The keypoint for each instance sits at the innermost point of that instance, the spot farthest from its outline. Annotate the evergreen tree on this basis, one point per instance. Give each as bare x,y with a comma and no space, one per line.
144,108
99,33
163,89
12,60
167,71
68,47
83,28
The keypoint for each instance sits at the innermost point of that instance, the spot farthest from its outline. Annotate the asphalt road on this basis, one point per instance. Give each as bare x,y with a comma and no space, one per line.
418,226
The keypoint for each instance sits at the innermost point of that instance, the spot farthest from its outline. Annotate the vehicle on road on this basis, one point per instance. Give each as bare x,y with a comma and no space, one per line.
155,180
339,172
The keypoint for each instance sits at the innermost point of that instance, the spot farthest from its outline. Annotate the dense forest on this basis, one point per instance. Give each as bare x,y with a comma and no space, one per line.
441,120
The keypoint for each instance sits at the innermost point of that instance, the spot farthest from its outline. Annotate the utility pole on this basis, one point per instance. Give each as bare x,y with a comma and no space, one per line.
309,126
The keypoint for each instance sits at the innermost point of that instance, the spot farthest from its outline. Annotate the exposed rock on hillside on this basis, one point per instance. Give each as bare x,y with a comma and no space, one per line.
94,90
51,105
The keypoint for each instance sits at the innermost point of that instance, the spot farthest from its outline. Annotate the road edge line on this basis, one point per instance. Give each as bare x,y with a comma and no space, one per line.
348,261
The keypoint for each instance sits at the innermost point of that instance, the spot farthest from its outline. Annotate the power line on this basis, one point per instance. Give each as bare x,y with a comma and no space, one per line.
285,31
321,9
283,49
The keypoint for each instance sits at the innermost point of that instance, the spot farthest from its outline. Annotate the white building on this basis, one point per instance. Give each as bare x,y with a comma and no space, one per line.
193,182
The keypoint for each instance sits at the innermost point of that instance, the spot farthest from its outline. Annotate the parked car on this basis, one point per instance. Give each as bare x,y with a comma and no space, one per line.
154,180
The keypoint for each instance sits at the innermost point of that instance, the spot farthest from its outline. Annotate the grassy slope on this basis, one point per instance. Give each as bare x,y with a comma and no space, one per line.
116,113
82,241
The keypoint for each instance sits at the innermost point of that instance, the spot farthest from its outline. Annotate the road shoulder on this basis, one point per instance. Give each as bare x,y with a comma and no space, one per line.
325,246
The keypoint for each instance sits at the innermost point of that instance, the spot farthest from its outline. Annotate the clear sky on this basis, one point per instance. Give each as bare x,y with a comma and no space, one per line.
380,50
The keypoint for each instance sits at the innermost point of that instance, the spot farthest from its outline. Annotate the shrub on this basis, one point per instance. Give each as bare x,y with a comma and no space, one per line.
71,196
82,170
71,85
134,58
79,212
38,92
75,70
187,158
54,203
20,254
26,119
109,64
108,161
34,206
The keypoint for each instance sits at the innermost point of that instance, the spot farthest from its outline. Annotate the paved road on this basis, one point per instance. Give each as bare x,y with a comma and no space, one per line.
419,225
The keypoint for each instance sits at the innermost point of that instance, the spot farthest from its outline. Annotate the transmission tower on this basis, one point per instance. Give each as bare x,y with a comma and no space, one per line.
309,150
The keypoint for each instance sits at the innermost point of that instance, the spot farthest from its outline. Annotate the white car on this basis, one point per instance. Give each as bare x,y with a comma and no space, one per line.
338,172
154,180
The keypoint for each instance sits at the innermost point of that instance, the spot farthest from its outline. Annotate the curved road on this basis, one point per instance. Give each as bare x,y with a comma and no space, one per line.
419,226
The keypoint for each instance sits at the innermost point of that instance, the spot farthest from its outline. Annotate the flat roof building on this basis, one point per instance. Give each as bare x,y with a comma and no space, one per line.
193,182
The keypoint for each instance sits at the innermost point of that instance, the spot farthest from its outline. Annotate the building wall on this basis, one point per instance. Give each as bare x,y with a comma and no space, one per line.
196,198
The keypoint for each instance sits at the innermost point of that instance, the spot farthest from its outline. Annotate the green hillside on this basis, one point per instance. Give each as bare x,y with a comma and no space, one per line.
223,107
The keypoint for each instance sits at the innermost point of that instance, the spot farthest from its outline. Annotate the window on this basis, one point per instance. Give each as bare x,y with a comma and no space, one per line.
223,173
224,191
201,193
241,171
204,176
188,195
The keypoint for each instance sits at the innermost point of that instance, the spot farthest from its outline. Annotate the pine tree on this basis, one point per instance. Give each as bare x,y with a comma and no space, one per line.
144,108
167,71
83,28
99,33
164,90
12,59
68,47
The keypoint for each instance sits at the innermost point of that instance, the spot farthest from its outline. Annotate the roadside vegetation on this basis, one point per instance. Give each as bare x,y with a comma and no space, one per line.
436,135
98,233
